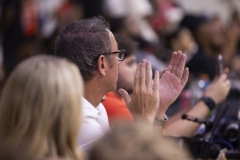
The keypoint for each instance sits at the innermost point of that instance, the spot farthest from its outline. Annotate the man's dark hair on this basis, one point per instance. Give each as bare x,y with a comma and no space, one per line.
82,42
127,44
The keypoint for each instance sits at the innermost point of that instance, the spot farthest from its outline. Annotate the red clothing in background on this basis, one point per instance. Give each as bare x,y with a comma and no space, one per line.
116,108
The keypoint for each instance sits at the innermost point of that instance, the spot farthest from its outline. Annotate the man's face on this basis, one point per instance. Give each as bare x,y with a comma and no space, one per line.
113,67
126,72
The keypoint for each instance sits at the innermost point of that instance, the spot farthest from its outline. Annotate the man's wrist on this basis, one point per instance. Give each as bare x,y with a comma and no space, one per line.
160,113
160,121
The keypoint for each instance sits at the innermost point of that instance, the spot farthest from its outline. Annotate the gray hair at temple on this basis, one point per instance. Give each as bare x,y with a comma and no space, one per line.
82,42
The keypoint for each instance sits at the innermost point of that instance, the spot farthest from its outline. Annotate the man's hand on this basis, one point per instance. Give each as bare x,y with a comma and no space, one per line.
145,98
172,80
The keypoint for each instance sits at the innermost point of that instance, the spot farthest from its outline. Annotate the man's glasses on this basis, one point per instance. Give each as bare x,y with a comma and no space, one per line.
120,54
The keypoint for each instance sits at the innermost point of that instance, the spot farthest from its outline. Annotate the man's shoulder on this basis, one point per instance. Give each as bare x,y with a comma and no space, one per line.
95,124
88,108
96,117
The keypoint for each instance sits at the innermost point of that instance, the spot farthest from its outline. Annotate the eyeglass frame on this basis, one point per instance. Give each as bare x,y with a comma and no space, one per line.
117,52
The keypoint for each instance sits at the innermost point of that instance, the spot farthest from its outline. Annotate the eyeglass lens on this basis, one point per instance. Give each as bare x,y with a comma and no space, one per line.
121,55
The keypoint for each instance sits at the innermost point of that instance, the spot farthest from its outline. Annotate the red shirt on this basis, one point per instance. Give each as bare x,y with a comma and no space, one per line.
116,108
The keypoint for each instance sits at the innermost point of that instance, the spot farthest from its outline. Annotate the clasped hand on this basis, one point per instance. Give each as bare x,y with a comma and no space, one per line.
152,97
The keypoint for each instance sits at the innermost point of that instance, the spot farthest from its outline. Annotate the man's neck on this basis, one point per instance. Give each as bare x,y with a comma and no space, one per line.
93,94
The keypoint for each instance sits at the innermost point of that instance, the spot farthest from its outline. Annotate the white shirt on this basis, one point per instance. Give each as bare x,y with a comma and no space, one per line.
95,124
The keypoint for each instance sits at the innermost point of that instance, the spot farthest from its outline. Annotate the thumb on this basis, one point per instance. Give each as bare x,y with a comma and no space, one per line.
125,96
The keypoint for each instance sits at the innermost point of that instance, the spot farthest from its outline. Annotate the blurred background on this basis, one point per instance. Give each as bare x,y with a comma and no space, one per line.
201,29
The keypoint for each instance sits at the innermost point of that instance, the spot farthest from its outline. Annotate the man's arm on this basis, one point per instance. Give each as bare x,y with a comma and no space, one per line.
172,81
171,84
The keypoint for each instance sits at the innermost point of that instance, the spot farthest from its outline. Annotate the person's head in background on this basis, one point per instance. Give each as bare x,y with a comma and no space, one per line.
208,32
180,39
129,27
125,25
136,142
40,109
127,68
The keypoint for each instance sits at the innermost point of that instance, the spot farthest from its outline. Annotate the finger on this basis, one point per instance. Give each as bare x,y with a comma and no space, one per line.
176,62
137,75
172,62
125,96
156,84
149,75
181,65
185,76
142,73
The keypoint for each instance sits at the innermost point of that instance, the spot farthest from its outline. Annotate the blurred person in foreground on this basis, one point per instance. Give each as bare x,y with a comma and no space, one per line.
137,141
41,119
117,109
91,45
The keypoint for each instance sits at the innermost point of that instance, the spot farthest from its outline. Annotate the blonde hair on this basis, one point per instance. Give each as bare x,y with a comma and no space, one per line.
40,108
136,142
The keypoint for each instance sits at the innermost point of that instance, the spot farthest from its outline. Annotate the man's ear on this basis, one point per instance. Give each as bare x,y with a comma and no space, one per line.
102,65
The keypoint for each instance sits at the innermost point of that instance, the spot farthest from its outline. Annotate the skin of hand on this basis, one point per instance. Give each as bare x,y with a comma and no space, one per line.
172,80
145,99
218,89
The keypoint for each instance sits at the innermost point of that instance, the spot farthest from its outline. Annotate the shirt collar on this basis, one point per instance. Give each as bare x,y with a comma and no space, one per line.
88,106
